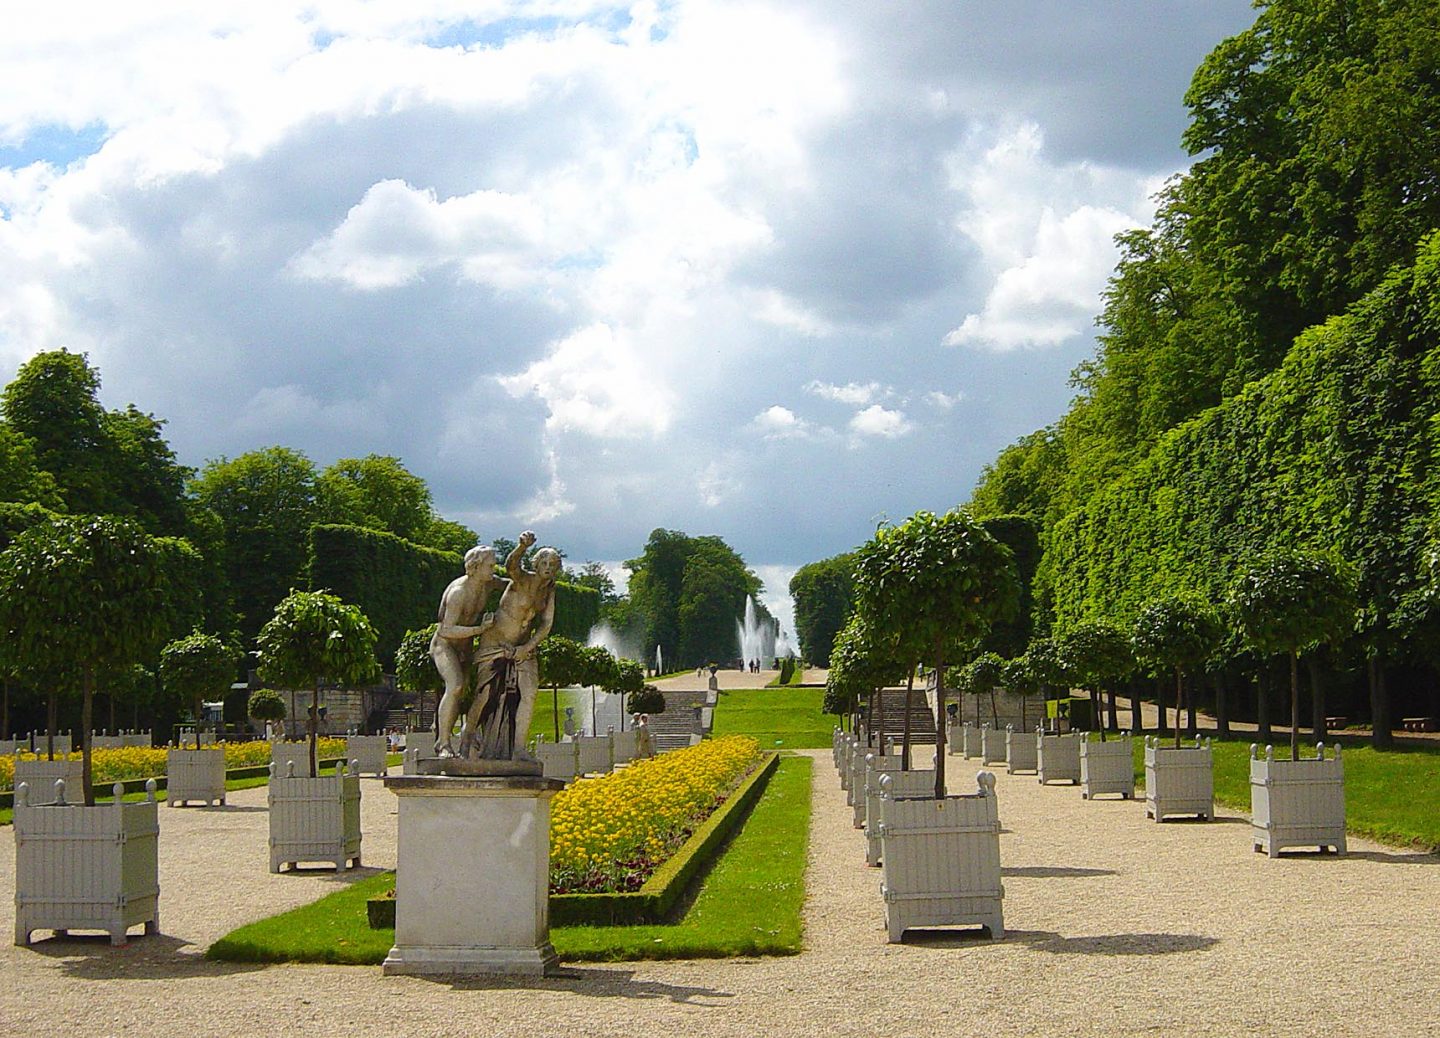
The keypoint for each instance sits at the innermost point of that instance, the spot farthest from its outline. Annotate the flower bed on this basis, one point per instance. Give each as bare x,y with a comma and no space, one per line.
142,762
609,834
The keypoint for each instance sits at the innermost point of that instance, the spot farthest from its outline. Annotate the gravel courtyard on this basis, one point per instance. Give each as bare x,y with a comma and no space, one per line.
1116,926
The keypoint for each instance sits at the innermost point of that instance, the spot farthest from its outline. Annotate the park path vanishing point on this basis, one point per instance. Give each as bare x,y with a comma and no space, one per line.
1116,926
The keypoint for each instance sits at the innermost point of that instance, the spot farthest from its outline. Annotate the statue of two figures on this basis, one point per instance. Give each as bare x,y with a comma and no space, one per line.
499,648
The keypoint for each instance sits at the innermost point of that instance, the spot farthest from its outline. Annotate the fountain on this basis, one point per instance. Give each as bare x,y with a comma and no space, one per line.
659,660
758,638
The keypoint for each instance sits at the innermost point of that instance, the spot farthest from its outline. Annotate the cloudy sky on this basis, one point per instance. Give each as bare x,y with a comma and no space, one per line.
770,270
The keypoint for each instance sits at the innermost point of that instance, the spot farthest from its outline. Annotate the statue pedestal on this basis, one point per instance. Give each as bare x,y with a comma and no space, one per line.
473,883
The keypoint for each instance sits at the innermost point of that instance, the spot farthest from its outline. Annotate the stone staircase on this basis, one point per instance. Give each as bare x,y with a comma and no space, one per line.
922,719
684,718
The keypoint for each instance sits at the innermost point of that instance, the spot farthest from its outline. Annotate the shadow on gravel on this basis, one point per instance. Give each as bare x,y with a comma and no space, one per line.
151,957
597,983
1383,857
1054,872
1113,944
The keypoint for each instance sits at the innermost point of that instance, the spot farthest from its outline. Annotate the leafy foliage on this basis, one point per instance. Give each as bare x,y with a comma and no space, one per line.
824,594
1291,601
266,704
691,591
195,666
415,669
649,700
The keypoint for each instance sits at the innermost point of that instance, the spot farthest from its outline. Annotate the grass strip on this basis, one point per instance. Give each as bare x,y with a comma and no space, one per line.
1390,795
779,718
749,903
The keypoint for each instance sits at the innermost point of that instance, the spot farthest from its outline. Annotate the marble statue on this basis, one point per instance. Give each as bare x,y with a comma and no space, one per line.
569,726
507,672
452,648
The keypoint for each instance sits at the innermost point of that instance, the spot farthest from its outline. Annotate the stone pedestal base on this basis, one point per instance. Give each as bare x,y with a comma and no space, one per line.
472,887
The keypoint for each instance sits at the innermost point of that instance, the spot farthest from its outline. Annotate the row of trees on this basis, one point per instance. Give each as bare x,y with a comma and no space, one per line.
1267,371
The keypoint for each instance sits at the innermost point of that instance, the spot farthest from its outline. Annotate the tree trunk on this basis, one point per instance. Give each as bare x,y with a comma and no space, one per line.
1294,704
1262,704
555,705
198,707
111,699
1222,705
87,710
1023,700
1380,736
939,723
1317,699
879,732
1137,717
52,711
1179,696
1192,723
5,709
1112,717
1163,722
905,732
312,725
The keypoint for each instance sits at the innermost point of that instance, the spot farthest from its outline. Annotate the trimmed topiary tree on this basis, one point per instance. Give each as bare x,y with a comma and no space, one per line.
1019,680
981,677
415,669
939,583
266,705
1290,602
649,700
1098,654
562,664
860,664
312,638
89,595
625,679
1177,632
197,665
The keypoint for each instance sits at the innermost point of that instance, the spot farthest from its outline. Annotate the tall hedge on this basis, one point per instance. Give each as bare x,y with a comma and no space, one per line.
1334,452
398,584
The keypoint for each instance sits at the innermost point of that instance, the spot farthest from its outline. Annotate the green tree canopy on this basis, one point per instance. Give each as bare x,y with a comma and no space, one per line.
195,666
266,705
415,669
1291,601
87,596
314,638
1176,632
941,583
824,594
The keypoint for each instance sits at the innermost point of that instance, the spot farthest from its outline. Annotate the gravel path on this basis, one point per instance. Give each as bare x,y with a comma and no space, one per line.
1117,926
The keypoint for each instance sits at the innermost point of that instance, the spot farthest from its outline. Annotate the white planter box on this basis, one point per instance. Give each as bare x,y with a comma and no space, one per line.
1107,767
106,742
1057,758
955,738
626,745
847,762
560,760
133,738
597,755
992,745
368,752
314,819
970,741
1179,781
941,861
195,775
10,747
86,868
283,754
1297,803
868,787
40,775
902,784
42,746
1021,752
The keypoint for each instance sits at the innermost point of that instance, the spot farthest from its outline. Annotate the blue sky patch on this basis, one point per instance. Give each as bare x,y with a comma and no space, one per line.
55,144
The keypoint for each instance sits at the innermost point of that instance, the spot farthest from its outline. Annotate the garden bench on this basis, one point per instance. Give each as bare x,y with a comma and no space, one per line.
1419,724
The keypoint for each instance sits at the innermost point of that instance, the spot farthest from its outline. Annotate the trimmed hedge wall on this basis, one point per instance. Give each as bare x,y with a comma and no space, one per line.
654,901
398,584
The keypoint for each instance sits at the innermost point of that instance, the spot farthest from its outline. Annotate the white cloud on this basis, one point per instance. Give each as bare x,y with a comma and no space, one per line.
716,483
943,401
779,423
596,382
1047,232
879,421
854,393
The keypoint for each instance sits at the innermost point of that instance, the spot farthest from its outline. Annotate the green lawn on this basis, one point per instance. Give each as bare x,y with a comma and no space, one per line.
781,718
748,904
1390,795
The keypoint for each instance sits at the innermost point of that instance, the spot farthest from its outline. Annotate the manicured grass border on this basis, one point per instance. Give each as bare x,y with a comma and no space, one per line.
655,900
750,903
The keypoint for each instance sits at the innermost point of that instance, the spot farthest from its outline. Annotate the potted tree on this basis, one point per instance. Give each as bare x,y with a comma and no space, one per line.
1292,602
1022,751
415,672
1177,633
980,677
191,668
266,706
81,596
314,637
940,582
625,679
